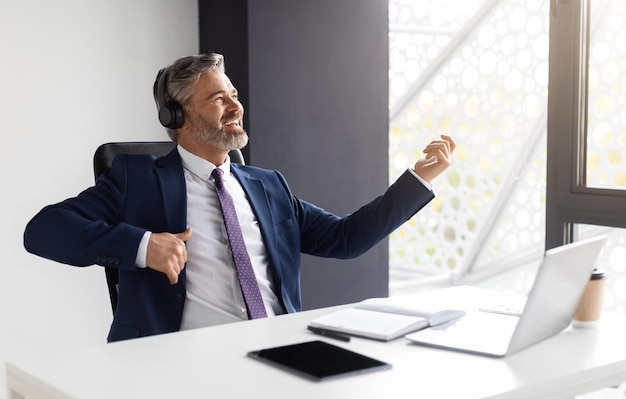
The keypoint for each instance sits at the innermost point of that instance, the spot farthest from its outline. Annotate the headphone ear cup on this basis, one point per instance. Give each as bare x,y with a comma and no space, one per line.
171,115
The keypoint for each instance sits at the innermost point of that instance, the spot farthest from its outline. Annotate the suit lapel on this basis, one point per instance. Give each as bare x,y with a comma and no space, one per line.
171,178
258,198
257,195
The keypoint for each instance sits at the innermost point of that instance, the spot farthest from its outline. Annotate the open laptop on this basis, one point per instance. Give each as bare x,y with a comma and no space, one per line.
550,307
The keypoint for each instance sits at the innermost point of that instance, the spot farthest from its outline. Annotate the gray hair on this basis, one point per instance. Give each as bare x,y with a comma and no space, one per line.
182,75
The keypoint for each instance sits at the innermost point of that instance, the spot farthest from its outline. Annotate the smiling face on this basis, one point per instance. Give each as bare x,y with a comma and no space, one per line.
213,117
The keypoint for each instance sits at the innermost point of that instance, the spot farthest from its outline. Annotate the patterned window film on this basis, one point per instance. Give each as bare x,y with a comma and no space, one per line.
478,70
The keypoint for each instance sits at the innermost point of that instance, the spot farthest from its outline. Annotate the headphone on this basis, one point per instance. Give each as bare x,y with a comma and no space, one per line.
171,113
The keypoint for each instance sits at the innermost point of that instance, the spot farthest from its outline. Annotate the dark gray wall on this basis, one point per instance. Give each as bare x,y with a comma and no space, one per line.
317,95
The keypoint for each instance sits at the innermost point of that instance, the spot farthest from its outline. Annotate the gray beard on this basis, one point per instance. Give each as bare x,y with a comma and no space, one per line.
209,133
220,139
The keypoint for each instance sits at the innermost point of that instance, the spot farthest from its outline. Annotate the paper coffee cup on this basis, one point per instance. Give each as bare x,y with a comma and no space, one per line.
590,307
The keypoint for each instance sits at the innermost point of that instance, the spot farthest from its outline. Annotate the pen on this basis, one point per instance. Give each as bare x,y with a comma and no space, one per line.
329,334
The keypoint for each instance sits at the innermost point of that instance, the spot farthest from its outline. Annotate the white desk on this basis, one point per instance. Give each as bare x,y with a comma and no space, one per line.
212,362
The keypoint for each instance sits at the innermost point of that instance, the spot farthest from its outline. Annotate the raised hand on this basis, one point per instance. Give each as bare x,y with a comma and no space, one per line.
437,159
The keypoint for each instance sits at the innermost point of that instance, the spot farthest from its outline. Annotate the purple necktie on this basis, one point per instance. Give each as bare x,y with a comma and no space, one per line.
247,280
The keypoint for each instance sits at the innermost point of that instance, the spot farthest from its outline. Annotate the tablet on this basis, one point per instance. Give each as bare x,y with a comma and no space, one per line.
318,360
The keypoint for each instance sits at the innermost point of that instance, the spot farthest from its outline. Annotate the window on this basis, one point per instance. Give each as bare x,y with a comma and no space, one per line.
531,171
606,106
586,139
477,70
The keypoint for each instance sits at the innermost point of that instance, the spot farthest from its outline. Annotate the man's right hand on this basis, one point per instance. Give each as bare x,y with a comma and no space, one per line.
167,253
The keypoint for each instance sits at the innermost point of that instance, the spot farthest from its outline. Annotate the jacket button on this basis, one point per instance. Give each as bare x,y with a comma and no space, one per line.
180,298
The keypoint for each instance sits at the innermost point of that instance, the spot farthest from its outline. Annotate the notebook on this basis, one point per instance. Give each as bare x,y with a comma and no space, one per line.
386,319
550,307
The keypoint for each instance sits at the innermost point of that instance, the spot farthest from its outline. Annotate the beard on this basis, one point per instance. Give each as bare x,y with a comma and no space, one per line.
207,132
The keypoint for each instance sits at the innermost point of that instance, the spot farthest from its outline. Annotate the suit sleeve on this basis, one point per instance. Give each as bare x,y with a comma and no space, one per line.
328,235
85,230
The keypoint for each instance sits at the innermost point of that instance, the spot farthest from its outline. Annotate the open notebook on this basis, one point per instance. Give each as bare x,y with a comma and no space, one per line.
550,307
386,319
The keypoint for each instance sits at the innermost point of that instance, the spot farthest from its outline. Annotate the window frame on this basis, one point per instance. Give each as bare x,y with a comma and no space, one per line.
568,200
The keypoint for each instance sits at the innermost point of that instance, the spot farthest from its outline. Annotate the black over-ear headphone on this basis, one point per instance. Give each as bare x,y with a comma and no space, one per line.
171,113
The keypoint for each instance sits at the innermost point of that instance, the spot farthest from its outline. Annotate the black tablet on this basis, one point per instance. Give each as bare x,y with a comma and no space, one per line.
318,360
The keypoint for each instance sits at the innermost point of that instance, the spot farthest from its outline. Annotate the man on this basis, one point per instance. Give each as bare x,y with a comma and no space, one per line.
160,221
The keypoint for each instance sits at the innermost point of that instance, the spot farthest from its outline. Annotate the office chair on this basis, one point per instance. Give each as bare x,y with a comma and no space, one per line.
102,160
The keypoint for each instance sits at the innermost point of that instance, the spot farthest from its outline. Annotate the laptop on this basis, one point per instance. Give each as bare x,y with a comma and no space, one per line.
549,308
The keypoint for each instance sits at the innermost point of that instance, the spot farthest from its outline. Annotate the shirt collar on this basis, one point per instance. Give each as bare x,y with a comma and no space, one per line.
201,167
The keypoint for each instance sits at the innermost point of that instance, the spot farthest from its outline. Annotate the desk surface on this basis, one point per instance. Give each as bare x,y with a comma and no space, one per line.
212,362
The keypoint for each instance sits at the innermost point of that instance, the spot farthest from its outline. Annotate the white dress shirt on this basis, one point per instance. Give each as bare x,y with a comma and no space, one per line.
213,292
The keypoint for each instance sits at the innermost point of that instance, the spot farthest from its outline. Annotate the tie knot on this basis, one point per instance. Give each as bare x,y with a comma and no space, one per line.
218,175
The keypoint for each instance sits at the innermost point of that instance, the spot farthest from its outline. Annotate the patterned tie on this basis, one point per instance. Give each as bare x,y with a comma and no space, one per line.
247,280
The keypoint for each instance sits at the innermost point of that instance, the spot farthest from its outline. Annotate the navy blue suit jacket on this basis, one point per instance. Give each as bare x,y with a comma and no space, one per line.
104,224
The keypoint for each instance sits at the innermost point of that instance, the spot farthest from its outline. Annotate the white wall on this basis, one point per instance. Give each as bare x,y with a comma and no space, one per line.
73,74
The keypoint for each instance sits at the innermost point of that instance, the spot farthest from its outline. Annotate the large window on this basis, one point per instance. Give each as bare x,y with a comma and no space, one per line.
477,70
480,71
586,132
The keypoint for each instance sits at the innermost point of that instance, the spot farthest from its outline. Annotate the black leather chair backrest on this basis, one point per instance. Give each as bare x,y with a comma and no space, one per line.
102,160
